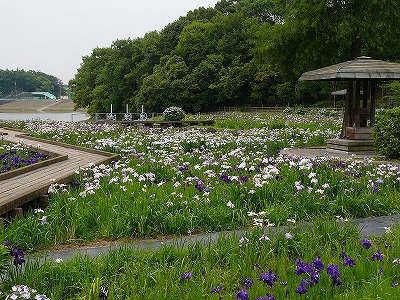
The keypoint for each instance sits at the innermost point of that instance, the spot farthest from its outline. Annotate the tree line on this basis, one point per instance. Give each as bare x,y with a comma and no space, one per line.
13,82
243,52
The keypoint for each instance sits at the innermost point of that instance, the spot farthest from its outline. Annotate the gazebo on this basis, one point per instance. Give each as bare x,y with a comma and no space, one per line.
362,75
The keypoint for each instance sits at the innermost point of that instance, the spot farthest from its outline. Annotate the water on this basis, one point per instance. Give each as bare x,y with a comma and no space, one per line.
67,117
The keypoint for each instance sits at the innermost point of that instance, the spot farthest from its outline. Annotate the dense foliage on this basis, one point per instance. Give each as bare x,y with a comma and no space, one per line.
386,133
15,82
238,53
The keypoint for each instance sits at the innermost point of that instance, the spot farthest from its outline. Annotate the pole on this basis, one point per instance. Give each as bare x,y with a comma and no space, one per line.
111,107
127,111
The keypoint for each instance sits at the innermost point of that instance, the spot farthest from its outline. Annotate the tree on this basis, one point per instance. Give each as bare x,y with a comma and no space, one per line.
85,81
18,81
165,87
317,33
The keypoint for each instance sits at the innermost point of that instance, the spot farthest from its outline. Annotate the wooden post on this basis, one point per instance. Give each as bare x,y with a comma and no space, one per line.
373,103
347,119
42,201
365,93
357,105
17,212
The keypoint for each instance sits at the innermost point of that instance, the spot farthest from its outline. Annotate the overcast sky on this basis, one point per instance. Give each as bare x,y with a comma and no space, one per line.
52,36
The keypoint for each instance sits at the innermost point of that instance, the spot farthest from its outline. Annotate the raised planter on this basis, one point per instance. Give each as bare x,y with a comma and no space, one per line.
55,159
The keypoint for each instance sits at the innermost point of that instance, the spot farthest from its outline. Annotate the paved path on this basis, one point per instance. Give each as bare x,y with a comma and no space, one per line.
21,189
368,227
322,151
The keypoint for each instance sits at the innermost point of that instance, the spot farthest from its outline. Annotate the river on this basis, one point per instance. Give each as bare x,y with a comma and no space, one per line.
67,117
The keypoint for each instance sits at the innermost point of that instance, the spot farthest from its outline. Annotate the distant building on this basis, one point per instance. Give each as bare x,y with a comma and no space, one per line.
34,96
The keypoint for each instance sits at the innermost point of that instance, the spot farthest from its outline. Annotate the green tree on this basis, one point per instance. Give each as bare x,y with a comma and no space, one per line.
317,33
17,81
195,43
166,86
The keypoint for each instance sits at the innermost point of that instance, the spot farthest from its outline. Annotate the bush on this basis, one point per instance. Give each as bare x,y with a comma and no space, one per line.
386,134
173,113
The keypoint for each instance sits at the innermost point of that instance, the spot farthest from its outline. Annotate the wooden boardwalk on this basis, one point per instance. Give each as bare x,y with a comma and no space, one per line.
21,189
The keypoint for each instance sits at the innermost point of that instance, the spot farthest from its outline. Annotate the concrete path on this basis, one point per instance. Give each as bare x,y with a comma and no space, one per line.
368,227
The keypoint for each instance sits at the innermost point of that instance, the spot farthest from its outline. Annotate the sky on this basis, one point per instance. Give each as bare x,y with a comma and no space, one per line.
52,36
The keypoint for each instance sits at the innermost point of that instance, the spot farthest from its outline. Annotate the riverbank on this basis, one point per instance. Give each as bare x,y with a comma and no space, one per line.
34,106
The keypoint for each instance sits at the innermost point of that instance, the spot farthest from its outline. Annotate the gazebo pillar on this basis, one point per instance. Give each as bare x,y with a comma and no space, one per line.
373,103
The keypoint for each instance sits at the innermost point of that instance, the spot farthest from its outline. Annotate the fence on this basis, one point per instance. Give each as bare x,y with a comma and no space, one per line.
271,109
247,109
124,116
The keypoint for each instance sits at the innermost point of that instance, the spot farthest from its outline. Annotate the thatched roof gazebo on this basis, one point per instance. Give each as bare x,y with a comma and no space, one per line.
362,75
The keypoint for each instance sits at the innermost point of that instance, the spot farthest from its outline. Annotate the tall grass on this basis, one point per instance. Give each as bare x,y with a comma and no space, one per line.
157,274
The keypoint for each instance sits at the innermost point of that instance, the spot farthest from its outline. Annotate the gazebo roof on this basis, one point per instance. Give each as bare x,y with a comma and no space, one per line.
360,68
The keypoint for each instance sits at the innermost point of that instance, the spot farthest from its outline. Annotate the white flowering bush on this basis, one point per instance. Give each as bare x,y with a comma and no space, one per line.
173,113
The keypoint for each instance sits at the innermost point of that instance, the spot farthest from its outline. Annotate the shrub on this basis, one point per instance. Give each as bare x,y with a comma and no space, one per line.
386,134
173,113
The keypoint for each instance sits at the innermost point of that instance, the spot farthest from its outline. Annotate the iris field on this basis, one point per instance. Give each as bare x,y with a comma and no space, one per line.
183,181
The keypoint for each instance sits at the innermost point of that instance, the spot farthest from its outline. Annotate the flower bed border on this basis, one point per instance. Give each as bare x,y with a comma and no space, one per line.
56,158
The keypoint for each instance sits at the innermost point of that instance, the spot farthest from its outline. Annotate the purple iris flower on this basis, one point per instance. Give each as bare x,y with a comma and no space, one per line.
301,289
348,261
303,267
242,294
243,179
366,243
217,289
318,265
377,255
248,282
333,271
225,178
187,275
269,277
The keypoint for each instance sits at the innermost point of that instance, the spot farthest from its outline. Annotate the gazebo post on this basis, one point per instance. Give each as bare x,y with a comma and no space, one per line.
373,103
357,122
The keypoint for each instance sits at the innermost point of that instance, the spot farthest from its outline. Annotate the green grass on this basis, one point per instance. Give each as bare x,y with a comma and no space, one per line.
138,274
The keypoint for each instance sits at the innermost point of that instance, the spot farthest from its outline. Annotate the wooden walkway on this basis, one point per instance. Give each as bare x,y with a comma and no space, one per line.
21,189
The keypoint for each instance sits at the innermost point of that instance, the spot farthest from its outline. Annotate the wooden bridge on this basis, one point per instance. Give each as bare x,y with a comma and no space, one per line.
29,183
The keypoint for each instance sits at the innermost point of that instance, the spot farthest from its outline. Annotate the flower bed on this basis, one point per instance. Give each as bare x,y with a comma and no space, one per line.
15,156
